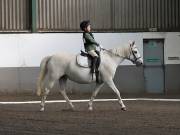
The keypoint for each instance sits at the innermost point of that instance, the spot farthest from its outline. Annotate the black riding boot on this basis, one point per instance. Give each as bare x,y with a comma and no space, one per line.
97,76
95,69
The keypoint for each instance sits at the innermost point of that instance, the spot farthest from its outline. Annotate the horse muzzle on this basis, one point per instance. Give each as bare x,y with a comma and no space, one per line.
139,62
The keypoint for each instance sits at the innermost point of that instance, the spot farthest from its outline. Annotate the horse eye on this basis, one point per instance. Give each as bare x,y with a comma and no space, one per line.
135,52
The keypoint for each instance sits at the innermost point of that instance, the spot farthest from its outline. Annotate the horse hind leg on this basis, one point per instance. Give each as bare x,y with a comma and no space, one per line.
45,93
62,83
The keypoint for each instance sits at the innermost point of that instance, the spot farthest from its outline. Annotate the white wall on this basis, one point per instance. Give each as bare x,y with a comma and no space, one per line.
27,50
172,45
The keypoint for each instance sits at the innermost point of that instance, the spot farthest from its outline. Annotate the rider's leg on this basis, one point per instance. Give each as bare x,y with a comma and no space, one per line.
94,64
95,57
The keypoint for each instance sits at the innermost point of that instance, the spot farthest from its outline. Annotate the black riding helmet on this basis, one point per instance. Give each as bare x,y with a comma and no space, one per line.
84,24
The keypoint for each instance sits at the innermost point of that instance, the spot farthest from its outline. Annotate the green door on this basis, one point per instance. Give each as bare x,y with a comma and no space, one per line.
154,65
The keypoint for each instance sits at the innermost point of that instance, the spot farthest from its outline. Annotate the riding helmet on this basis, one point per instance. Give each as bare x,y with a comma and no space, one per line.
84,24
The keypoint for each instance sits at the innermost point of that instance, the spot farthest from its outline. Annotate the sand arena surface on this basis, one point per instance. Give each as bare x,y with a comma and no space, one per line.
141,118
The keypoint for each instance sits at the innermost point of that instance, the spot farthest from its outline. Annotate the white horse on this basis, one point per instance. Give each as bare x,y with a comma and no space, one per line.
63,66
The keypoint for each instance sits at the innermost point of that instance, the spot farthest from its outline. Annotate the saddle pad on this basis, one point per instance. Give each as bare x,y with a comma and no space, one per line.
82,61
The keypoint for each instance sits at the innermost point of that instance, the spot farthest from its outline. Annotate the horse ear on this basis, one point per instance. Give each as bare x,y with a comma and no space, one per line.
132,43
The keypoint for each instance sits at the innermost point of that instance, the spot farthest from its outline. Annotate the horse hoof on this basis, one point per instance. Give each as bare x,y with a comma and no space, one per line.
123,109
42,110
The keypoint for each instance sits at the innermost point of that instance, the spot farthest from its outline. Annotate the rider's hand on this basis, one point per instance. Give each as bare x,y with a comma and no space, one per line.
100,46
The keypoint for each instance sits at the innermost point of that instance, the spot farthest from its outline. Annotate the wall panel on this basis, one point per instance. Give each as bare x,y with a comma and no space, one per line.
105,15
14,15
66,15
146,15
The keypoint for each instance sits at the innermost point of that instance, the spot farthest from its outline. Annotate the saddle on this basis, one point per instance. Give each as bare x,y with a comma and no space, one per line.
86,61
83,60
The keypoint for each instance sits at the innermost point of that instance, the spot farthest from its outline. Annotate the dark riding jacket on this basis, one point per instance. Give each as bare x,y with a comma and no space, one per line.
89,41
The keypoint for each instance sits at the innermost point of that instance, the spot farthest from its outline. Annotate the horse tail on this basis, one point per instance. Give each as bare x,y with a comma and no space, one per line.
43,71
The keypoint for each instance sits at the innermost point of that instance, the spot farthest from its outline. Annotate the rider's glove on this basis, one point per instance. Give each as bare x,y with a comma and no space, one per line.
100,46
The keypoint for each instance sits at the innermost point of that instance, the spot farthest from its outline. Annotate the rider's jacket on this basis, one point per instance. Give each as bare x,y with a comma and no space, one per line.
89,41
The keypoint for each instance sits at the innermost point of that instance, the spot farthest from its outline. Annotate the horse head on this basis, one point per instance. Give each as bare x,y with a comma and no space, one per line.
134,54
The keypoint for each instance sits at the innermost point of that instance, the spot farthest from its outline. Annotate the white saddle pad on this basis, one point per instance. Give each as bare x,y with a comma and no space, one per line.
82,61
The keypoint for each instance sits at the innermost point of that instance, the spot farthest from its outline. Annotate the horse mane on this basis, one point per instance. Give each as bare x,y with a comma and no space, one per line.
120,51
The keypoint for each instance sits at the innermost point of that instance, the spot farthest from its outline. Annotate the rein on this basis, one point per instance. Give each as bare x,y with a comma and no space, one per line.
135,58
111,52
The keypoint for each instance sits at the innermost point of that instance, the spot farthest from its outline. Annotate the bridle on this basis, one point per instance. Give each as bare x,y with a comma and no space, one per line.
133,53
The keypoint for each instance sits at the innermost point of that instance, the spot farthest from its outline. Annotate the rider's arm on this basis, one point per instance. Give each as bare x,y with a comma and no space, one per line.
90,39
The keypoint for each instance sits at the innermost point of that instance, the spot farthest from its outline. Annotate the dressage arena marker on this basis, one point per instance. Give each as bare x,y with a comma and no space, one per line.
96,100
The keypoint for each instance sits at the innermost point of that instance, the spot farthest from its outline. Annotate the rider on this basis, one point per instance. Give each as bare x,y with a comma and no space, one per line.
90,44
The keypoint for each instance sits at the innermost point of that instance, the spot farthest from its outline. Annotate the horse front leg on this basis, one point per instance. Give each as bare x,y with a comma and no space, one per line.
94,94
63,92
111,84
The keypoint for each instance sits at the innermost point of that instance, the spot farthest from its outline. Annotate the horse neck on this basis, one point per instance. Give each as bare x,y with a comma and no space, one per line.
112,59
126,51
119,54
